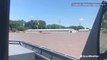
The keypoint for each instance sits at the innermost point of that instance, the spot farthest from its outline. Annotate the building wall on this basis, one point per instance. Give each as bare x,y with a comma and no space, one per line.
51,30
27,56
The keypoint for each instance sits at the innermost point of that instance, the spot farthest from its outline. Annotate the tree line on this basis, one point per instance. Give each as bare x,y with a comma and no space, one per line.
104,23
21,25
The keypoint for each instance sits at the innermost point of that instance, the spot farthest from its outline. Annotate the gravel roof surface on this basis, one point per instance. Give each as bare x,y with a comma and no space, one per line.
71,44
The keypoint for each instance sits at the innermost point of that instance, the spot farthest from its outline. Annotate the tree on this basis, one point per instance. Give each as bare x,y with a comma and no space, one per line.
73,27
80,27
104,23
76,27
41,24
54,26
35,24
17,25
87,28
31,24
21,25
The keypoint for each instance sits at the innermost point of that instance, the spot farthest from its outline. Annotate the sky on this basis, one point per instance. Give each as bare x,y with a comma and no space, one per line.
55,11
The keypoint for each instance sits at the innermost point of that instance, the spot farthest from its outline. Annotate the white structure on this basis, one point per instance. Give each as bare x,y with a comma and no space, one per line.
84,30
17,52
51,30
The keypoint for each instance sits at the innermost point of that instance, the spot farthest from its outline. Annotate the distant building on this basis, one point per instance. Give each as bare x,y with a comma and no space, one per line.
84,30
51,30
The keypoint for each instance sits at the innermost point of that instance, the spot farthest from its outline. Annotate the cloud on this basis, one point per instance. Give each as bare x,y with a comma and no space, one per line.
81,19
31,16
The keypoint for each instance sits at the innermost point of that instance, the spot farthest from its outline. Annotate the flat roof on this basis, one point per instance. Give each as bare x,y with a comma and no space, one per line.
17,49
71,44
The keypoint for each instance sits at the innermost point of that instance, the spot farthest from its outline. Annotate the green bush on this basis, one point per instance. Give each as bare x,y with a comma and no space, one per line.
104,30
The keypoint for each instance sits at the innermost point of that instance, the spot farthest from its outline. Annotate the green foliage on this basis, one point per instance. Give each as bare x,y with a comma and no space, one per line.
17,25
21,25
73,27
35,24
76,27
80,27
54,26
104,30
41,24
31,24
104,23
87,28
